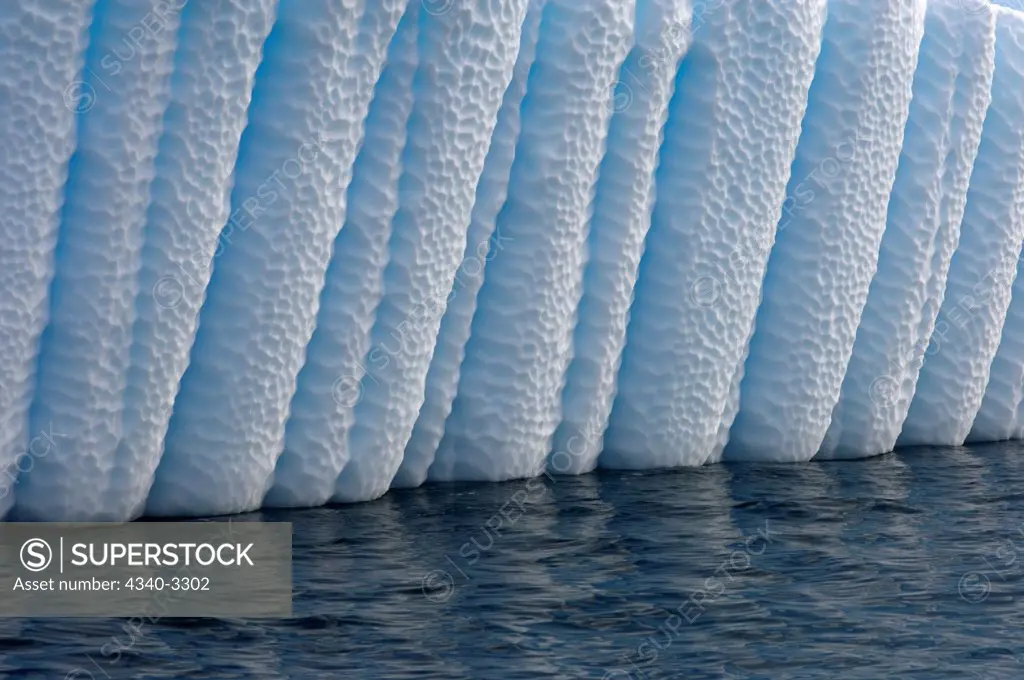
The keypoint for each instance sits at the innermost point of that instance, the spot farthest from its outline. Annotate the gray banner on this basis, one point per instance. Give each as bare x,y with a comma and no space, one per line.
146,569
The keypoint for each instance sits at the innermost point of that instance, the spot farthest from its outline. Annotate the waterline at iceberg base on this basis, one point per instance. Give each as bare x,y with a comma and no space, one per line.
280,253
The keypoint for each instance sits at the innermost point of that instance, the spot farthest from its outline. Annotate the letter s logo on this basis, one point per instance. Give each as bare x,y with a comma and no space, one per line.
36,554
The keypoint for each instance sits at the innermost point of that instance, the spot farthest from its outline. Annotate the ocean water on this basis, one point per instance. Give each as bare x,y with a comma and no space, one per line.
905,565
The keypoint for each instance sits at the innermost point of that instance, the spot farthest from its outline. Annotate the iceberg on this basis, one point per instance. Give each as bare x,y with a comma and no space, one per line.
86,348
482,244
305,124
322,409
952,92
279,253
620,221
507,405
42,57
468,54
729,141
956,370
826,246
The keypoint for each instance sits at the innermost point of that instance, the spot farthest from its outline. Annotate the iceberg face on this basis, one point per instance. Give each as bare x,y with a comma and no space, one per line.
618,227
322,409
41,58
468,53
952,91
507,407
967,334
287,253
733,127
305,125
85,350
826,245
997,417
189,204
482,244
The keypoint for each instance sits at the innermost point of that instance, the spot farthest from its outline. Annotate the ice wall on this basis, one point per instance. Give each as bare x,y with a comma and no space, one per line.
305,251
329,385
305,125
618,228
189,204
85,350
826,245
42,54
952,91
967,335
469,53
1001,415
507,406
997,417
483,243
733,128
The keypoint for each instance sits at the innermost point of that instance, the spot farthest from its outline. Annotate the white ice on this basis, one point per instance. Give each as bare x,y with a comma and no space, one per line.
998,417
619,223
42,45
84,354
507,407
305,125
1001,415
729,142
329,385
826,245
468,53
308,250
482,245
952,91
190,202
967,334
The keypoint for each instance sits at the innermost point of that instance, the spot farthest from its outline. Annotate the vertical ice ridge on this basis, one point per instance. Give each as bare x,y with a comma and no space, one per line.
202,128
482,245
997,418
952,382
42,52
322,410
294,165
507,407
84,352
952,90
1001,415
730,138
826,246
621,216
467,54
1017,432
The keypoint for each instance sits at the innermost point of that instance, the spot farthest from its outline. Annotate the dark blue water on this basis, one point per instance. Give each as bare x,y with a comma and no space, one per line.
904,566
